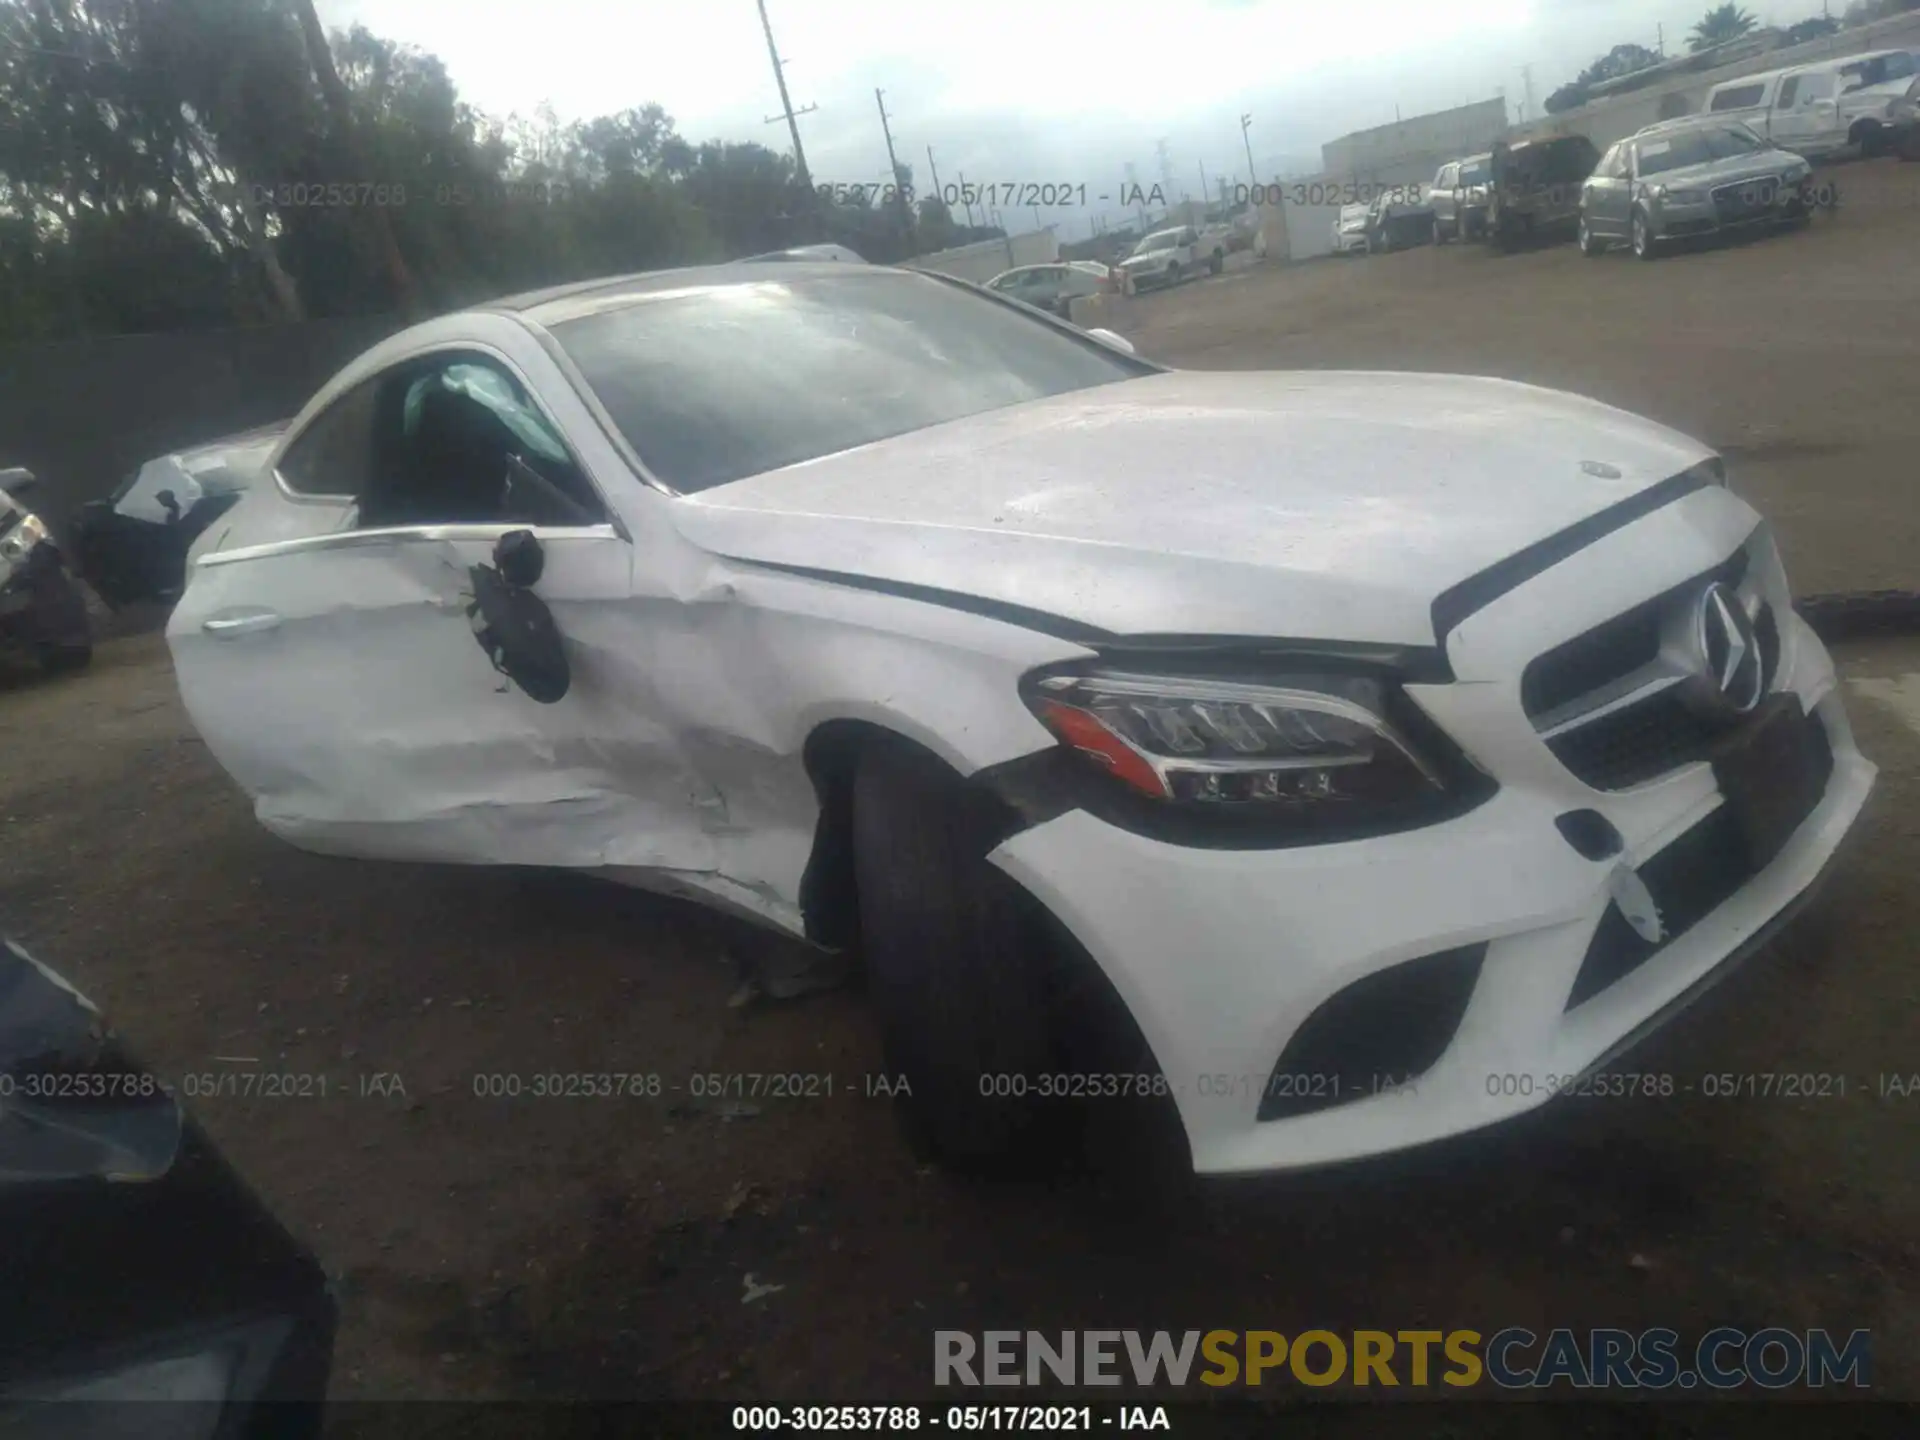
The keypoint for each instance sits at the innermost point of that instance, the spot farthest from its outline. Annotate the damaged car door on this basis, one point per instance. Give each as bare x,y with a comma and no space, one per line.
336,674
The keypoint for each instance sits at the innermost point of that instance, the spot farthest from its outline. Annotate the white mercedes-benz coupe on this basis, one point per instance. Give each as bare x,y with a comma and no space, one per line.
1345,759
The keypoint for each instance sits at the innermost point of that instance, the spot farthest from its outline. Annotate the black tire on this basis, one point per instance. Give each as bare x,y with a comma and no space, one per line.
1218,262
957,960
1645,247
65,659
1439,233
1591,245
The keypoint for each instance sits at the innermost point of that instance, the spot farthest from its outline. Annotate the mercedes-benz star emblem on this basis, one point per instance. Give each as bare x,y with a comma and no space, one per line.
1727,652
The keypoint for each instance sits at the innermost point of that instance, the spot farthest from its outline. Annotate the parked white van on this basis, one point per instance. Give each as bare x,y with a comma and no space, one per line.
1816,110
1797,108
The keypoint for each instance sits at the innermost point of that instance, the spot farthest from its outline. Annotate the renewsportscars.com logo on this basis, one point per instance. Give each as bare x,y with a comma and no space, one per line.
1510,1359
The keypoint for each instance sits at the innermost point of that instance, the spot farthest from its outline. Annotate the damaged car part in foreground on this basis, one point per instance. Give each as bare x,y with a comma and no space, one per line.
1308,800
148,1291
42,612
132,545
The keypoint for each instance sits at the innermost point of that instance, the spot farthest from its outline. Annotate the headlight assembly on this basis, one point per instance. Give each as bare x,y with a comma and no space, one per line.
18,542
1680,197
1307,742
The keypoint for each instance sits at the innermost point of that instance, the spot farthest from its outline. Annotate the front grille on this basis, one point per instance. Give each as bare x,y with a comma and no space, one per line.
1614,648
1637,744
1688,880
1744,200
1649,737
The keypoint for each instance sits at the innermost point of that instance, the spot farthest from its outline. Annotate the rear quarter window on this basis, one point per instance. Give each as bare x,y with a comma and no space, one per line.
1740,97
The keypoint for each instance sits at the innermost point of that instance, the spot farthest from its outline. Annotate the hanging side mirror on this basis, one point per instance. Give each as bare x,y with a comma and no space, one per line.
513,625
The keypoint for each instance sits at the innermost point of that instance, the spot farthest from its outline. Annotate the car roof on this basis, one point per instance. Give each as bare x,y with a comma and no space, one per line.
561,302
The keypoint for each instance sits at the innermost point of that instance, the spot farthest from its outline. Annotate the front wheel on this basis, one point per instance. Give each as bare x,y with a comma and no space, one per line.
958,962
1590,244
1645,247
65,659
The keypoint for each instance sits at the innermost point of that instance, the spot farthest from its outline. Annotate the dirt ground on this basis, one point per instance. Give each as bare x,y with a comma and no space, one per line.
786,1250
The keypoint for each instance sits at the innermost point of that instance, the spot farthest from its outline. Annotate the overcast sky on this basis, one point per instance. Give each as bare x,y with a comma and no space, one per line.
1017,90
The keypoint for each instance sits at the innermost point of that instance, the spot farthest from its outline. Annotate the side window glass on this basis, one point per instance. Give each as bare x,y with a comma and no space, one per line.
334,455
1789,87
458,442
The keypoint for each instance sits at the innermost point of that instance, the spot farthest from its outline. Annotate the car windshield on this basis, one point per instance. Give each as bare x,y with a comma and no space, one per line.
718,382
1695,147
1352,216
1161,240
1475,172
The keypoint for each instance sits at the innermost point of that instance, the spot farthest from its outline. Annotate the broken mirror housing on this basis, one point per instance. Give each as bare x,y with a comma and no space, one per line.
139,1266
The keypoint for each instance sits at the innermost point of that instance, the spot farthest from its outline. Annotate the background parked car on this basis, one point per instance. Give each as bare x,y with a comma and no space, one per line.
1055,287
1690,180
1350,231
1904,122
1797,108
1458,196
1535,191
1166,257
132,545
42,611
1399,217
1873,87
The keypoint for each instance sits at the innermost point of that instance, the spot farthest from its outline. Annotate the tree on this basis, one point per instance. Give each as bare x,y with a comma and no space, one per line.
1810,29
340,107
1621,60
1720,25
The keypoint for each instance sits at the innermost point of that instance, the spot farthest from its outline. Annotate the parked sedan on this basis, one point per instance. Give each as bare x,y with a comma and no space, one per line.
1350,230
1683,181
901,617
1055,287
43,614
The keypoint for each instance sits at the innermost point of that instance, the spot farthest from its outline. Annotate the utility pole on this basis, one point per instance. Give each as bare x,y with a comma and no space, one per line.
931,170
1166,169
1660,44
1140,201
1206,190
1253,176
786,106
1526,74
893,166
963,199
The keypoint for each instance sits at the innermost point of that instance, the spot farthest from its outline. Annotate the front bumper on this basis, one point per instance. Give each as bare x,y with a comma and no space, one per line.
1221,955
1350,241
1678,222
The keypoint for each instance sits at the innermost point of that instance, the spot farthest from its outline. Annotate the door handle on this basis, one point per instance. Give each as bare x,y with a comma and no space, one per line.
227,625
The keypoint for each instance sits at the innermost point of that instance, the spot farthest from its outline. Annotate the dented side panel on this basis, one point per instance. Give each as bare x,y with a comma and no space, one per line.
366,721
363,719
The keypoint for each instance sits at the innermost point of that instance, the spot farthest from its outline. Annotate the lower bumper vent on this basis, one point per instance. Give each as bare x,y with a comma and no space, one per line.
1379,1032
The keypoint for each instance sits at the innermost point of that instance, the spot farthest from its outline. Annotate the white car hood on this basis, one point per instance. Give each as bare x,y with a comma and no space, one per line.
1307,505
